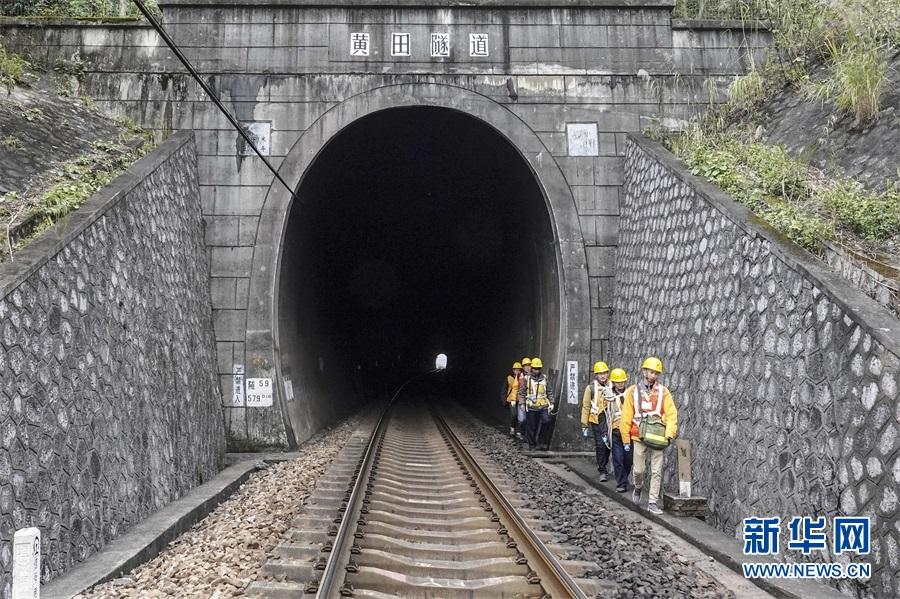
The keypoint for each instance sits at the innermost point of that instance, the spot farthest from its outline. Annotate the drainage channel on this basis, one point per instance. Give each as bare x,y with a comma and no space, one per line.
410,512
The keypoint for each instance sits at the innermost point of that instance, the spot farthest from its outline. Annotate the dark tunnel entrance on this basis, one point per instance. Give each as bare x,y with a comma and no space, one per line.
414,231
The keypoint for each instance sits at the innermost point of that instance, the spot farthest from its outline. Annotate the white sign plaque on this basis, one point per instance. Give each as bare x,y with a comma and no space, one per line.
572,382
400,44
237,389
582,139
259,393
288,389
261,134
359,44
440,45
478,44
26,575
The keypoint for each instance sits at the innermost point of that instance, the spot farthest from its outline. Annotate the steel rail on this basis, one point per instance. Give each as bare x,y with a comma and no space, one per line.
554,578
329,586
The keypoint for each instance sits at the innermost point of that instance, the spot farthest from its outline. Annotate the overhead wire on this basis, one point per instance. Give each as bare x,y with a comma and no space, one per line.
154,22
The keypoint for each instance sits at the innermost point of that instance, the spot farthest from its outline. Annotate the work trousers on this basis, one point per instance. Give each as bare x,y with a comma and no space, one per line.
621,459
601,451
513,415
640,465
535,421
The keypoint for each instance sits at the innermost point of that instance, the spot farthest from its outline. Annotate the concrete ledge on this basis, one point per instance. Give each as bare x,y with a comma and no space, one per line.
104,22
388,4
721,25
724,549
554,455
148,538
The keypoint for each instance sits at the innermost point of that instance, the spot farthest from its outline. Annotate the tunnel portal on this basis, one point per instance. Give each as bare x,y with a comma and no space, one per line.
415,231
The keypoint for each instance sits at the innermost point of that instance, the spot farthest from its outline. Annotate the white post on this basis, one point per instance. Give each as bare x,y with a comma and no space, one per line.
684,467
26,583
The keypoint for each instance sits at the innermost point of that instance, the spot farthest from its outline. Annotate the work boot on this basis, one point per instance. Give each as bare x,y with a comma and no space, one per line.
603,477
636,495
519,436
654,509
620,489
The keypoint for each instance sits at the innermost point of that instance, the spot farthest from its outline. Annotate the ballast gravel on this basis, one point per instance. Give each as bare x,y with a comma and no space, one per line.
624,548
223,553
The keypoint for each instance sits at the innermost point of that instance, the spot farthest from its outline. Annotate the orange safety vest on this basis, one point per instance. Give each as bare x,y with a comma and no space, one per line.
648,407
512,389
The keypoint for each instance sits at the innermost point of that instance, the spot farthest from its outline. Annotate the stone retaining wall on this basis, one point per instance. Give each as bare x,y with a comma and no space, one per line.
785,376
109,404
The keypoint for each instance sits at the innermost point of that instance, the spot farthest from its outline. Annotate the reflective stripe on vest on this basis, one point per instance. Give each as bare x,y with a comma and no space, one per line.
537,392
595,406
644,405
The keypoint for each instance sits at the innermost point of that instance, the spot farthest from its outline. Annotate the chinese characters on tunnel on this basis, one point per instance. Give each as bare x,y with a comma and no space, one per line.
401,44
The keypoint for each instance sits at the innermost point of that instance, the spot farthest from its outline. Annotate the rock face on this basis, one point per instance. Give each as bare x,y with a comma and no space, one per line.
41,128
834,141
109,406
785,377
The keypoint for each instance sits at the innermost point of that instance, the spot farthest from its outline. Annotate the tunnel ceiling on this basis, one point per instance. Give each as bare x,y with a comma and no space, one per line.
416,230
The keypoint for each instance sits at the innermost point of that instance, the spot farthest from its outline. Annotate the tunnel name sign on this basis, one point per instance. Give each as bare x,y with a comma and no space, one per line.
572,382
259,393
401,44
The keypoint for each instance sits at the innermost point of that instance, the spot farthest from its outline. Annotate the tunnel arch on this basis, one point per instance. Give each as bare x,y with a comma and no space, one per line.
264,340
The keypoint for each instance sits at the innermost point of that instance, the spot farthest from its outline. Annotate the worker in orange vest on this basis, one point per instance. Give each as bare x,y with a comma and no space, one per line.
649,422
594,415
511,398
538,398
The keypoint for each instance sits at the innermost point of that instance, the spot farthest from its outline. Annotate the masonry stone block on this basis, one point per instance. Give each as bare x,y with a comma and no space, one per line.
244,200
601,261
222,230
578,170
597,199
230,261
223,291
229,324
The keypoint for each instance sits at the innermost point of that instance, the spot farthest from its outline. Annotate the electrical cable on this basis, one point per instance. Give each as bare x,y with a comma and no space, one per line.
209,92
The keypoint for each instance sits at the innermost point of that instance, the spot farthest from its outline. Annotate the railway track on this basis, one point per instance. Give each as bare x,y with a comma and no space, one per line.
406,510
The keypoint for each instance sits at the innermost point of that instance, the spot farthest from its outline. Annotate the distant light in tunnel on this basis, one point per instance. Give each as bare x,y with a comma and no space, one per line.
441,362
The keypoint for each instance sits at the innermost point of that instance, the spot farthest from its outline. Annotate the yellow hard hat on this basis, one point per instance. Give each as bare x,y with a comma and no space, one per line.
600,367
652,364
618,375
526,361
536,363
517,365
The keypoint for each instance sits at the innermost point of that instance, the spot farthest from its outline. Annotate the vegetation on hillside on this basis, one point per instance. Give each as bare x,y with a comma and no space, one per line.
853,39
14,69
74,9
798,200
66,187
836,52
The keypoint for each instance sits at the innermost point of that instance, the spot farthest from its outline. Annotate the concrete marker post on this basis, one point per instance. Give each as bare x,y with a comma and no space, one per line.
26,580
683,446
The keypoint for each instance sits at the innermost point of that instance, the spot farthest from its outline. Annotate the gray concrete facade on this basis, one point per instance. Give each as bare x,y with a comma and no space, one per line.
287,67
109,404
786,377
